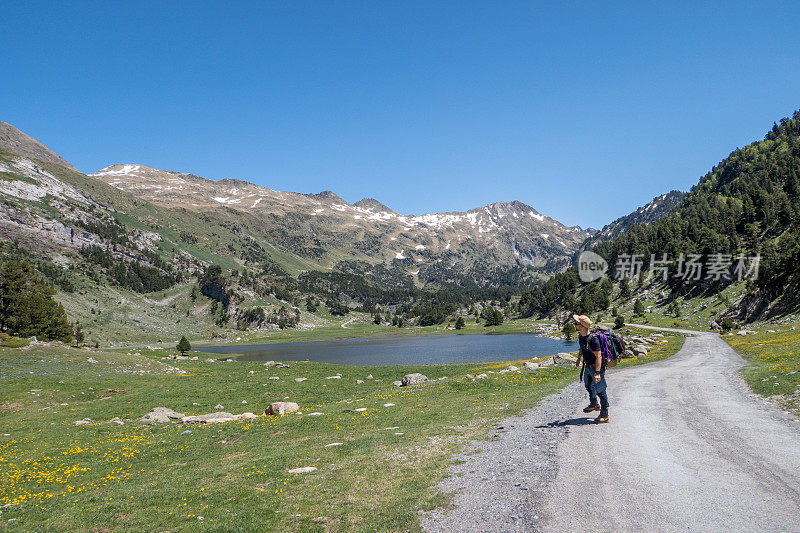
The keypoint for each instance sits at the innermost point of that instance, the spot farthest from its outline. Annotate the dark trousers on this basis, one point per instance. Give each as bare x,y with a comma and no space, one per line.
596,390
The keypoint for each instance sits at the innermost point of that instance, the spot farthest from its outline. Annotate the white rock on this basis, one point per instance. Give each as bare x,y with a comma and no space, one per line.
359,382
300,380
388,405
411,379
218,406
83,422
334,377
315,414
281,408
333,444
302,470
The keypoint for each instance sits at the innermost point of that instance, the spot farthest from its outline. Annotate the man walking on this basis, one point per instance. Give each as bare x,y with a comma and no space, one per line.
594,374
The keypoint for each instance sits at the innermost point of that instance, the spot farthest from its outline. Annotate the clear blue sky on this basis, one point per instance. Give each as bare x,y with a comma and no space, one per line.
583,110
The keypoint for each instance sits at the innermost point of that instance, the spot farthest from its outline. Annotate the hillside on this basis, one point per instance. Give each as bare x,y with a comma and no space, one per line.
748,205
14,141
131,252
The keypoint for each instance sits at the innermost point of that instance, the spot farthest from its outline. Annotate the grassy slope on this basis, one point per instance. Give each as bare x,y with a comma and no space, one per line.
59,477
773,362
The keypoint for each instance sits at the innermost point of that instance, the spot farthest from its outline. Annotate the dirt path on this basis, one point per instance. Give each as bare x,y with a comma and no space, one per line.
688,448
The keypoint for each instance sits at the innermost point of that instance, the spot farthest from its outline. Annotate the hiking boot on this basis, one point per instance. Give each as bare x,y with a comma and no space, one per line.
602,419
591,407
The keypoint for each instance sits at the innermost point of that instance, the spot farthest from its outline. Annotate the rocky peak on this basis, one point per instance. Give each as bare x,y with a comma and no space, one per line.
15,141
373,205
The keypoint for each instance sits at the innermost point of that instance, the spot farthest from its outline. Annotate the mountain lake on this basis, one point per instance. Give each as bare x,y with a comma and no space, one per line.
432,349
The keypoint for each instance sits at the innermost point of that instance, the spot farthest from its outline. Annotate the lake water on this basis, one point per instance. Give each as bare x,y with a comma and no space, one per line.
433,349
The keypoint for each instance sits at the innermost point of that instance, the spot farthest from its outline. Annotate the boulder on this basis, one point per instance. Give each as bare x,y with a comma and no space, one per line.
530,365
83,422
209,360
512,368
359,382
627,354
412,379
370,377
281,408
155,418
397,383
546,362
482,376
564,359
219,407
116,421
639,349
270,363
168,412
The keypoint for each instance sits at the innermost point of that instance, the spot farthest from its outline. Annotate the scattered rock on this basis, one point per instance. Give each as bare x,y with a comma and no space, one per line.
187,432
219,406
546,362
83,422
209,360
359,382
412,379
512,368
300,380
334,377
564,359
270,363
302,470
210,418
244,402
370,377
315,414
333,444
117,421
397,383
281,408
388,405
484,376
639,349
360,409
530,365
274,377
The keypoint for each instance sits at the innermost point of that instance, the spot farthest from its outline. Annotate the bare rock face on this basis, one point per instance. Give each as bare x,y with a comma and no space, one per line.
281,408
412,379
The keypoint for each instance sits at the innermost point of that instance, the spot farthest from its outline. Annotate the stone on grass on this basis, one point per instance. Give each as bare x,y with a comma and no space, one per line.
512,368
334,377
370,376
411,379
281,408
564,359
300,380
639,349
530,365
83,422
270,363
315,414
397,383
546,362
359,382
209,360
219,407
210,418
302,470
388,405
116,421
482,376
333,444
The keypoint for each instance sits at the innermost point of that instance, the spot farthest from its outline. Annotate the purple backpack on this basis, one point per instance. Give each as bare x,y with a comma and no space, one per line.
611,344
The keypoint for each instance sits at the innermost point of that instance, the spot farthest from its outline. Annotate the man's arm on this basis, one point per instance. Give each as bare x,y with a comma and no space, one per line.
598,365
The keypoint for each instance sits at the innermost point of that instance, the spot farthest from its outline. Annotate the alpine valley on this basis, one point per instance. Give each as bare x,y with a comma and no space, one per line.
136,254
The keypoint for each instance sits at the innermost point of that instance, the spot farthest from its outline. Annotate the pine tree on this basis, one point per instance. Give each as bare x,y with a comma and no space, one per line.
619,322
460,322
568,330
79,336
183,345
638,308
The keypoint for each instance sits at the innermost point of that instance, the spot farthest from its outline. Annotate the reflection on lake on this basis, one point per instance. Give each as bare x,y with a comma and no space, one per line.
433,349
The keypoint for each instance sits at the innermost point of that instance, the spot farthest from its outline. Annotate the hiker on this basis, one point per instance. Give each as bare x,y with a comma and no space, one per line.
594,372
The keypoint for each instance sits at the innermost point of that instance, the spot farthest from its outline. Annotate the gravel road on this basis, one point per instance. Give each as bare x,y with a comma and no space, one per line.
688,448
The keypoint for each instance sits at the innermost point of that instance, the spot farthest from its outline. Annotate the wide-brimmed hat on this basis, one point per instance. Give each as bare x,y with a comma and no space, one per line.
582,320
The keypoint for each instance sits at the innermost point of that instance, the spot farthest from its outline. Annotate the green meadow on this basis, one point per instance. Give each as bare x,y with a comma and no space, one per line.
377,465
